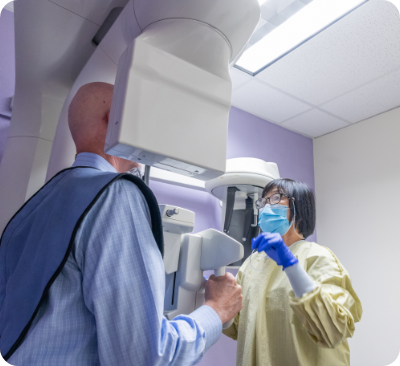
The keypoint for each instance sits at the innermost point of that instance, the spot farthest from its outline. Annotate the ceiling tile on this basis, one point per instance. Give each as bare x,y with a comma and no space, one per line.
360,47
265,102
238,77
314,123
374,98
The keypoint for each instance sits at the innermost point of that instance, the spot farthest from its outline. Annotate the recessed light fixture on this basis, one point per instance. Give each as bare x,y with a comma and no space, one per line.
306,23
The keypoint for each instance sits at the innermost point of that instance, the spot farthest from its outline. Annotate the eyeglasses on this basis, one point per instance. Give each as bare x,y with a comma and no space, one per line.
273,200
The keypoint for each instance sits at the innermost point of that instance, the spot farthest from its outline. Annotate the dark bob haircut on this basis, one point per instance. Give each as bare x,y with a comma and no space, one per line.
304,202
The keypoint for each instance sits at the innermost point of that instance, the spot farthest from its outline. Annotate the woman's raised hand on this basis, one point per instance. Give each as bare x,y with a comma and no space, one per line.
274,246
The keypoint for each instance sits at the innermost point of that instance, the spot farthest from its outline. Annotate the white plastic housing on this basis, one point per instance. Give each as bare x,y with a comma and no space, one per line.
172,99
174,227
102,66
52,45
209,249
181,296
247,174
218,250
235,20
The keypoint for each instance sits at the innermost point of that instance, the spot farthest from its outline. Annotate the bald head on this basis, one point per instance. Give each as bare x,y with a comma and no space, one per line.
88,116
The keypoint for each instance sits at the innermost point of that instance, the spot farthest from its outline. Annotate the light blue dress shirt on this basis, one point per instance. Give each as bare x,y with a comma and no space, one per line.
106,306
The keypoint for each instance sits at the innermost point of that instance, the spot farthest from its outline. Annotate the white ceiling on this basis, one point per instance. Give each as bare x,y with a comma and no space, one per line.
347,73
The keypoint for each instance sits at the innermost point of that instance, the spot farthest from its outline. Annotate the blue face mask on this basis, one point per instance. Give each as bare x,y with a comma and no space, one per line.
272,219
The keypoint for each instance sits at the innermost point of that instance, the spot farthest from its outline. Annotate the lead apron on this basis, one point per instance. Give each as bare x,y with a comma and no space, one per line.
37,241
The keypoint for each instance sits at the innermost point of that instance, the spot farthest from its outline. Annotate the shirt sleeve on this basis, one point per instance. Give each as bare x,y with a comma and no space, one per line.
124,287
328,313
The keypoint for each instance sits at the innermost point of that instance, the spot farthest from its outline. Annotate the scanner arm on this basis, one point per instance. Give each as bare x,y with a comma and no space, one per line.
217,251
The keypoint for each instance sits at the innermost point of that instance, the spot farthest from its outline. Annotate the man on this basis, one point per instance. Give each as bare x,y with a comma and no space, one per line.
84,279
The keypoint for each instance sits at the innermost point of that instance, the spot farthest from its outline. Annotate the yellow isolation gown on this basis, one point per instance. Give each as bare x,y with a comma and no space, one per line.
275,328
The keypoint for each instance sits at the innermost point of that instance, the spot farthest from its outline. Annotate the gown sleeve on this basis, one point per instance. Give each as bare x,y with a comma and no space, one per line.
328,313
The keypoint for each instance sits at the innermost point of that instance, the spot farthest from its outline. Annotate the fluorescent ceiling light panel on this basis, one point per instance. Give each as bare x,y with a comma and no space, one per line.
303,25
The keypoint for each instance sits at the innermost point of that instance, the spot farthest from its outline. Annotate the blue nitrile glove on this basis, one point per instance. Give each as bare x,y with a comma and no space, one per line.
274,246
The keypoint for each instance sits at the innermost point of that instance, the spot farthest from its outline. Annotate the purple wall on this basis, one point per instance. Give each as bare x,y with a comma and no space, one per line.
7,73
251,136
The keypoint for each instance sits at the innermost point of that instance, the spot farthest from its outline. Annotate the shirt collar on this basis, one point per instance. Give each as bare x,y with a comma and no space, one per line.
94,161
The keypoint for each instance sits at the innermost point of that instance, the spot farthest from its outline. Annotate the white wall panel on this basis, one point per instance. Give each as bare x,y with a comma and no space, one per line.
357,178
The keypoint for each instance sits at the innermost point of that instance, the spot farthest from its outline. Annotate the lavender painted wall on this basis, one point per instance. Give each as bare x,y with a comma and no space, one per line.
251,136
7,73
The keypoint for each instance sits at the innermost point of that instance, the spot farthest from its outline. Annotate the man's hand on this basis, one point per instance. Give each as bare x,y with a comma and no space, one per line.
274,246
224,295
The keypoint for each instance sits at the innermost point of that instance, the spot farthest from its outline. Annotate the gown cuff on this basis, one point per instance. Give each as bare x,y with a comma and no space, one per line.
300,280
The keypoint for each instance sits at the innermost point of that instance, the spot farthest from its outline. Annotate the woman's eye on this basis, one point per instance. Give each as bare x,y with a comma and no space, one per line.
274,200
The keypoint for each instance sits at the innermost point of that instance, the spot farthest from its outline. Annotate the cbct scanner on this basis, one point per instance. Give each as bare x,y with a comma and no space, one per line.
169,61
187,256
239,189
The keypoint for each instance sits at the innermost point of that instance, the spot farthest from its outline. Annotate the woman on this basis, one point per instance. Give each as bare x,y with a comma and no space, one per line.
299,306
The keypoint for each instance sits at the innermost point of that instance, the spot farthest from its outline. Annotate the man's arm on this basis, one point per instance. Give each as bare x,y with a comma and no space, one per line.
124,286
